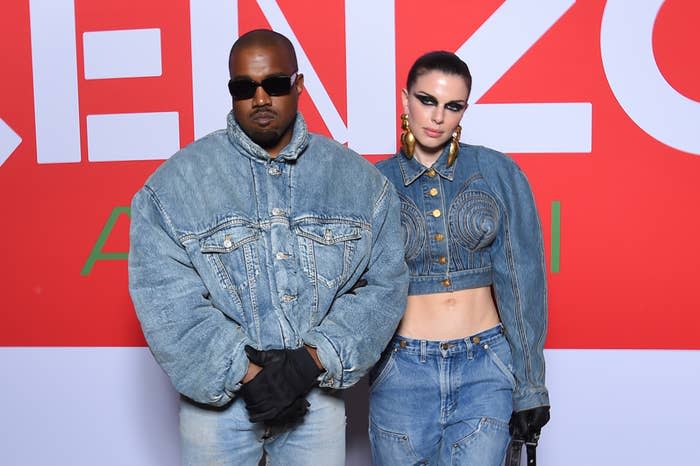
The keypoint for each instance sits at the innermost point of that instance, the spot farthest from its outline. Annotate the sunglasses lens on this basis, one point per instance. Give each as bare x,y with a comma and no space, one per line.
277,85
242,88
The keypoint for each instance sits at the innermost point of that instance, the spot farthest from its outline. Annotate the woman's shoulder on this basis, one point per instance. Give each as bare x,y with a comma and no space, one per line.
389,167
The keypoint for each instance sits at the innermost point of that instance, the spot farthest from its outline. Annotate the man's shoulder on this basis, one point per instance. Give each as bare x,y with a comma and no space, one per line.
191,159
340,156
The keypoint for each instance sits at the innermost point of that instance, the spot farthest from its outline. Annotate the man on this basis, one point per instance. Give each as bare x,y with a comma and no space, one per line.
267,270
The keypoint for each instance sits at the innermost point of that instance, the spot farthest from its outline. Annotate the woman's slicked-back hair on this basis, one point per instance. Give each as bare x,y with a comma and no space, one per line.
439,60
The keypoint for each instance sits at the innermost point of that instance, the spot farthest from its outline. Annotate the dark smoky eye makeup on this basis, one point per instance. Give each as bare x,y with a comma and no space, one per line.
426,99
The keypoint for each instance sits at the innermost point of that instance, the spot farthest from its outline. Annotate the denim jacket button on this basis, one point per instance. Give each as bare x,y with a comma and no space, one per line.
274,171
436,213
442,260
277,212
430,172
446,282
439,237
433,192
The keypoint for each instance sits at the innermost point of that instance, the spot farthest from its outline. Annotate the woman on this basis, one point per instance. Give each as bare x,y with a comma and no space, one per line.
467,357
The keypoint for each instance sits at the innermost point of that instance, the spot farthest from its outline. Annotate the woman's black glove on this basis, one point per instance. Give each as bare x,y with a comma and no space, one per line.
276,394
526,425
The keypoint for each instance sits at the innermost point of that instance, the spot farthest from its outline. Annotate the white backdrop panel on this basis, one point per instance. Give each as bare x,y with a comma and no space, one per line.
114,406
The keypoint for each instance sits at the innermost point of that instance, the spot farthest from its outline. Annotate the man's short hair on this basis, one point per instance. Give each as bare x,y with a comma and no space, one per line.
266,38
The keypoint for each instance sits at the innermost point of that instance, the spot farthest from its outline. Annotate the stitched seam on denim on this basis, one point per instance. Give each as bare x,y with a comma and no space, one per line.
501,365
540,341
154,197
517,304
437,278
383,374
410,212
383,194
315,219
225,280
336,239
445,228
252,289
404,173
459,205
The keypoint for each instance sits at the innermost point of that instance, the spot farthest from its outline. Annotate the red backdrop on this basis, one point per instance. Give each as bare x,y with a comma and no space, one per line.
628,256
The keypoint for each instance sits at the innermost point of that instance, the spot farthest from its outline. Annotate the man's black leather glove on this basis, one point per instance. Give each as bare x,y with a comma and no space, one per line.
290,414
526,425
276,394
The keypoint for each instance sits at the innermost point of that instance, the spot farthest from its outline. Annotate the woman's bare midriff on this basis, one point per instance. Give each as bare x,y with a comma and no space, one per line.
448,316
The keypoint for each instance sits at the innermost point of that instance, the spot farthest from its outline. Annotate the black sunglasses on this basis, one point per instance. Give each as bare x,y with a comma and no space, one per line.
244,88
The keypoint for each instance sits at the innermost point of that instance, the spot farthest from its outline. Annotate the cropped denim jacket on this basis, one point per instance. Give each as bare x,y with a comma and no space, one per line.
475,224
231,248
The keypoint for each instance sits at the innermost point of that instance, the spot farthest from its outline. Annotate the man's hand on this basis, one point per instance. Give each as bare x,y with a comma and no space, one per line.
253,370
526,425
276,394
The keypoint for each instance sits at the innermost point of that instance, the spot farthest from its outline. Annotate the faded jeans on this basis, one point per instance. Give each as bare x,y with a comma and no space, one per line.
442,403
225,436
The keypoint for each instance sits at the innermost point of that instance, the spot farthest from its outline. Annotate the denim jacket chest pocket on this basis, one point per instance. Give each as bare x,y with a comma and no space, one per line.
230,249
327,250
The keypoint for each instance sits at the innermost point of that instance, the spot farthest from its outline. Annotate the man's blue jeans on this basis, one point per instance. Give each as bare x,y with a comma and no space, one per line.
442,403
225,436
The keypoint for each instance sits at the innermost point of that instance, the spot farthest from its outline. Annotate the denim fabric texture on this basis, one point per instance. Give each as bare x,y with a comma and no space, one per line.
225,437
442,402
231,248
475,224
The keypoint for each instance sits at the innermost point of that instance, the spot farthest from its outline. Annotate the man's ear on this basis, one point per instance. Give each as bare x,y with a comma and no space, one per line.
299,84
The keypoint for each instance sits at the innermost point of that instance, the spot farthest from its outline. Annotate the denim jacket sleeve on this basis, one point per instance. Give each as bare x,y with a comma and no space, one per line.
519,279
358,326
198,347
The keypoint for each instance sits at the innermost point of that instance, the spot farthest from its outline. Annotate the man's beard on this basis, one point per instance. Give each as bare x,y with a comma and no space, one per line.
265,139
268,138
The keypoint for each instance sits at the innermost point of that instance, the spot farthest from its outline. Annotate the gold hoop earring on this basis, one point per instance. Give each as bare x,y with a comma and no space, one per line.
454,146
408,140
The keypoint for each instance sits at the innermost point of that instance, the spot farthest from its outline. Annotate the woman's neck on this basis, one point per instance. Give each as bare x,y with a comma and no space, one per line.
427,159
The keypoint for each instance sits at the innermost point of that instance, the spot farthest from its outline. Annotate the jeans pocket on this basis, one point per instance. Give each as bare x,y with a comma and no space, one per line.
485,444
391,448
380,372
499,352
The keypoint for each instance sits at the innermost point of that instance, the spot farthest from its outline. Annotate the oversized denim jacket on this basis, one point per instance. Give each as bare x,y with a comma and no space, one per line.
231,248
475,224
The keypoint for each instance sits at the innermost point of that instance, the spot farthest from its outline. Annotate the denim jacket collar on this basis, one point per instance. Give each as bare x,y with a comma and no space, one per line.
412,169
299,141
